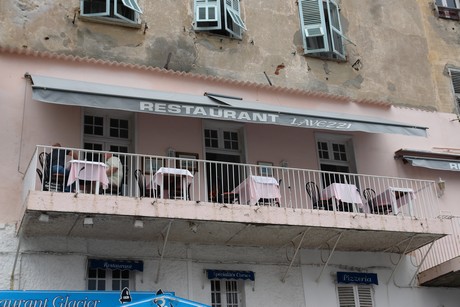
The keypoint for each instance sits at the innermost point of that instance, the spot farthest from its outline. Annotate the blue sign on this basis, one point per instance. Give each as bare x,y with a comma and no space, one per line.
34,298
355,278
218,274
116,265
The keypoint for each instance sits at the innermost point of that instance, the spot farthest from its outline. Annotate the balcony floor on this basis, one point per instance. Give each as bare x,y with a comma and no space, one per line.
217,224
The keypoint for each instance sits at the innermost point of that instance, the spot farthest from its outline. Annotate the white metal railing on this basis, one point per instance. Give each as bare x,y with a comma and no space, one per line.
443,250
233,183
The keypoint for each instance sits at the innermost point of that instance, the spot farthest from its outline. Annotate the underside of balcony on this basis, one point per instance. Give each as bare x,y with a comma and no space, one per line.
114,217
446,274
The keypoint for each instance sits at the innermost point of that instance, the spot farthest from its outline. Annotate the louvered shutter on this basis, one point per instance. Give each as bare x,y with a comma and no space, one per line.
365,296
90,8
132,4
335,29
313,26
346,296
455,75
207,15
233,22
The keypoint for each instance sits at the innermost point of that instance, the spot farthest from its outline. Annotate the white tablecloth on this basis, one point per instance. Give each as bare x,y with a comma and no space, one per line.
396,197
169,172
254,188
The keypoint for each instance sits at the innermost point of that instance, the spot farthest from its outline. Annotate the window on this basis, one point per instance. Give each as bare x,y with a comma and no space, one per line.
335,154
124,10
219,17
225,293
455,75
449,9
223,139
106,279
321,29
355,296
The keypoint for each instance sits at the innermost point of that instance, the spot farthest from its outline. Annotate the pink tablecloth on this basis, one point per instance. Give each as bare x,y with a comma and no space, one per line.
89,171
254,188
347,193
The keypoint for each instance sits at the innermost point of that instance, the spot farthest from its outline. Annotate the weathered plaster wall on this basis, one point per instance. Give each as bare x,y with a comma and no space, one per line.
43,263
389,42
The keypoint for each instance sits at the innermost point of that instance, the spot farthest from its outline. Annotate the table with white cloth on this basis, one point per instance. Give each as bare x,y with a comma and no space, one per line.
88,171
345,193
396,198
167,174
254,188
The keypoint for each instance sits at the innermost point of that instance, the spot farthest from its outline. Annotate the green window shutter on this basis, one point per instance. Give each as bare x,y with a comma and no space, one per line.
207,15
233,22
335,29
132,4
313,26
455,74
89,8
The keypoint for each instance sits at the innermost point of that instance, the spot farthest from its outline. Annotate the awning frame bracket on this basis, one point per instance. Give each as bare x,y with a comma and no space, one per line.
163,251
283,279
339,236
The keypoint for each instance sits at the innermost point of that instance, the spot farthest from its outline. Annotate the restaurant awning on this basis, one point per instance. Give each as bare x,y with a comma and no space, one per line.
429,159
210,106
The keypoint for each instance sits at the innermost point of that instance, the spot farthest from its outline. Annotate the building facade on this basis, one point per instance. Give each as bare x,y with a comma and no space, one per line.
260,152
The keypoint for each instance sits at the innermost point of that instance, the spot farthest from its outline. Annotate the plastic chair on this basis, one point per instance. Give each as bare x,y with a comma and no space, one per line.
315,196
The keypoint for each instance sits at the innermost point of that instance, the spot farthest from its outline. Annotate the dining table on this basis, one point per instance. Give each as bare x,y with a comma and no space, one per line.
254,188
395,198
82,170
344,193
163,177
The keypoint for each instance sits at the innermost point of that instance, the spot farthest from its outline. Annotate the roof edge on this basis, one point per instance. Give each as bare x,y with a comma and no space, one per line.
248,84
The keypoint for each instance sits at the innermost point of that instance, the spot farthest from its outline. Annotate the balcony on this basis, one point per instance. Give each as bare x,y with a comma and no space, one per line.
210,202
441,266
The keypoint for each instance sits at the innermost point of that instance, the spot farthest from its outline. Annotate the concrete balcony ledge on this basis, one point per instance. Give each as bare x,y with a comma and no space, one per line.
232,224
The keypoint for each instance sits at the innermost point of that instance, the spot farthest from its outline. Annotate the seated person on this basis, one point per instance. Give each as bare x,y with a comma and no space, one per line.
114,172
57,161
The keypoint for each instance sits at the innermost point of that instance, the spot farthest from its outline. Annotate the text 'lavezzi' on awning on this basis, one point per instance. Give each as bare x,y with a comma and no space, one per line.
122,265
209,106
429,159
221,274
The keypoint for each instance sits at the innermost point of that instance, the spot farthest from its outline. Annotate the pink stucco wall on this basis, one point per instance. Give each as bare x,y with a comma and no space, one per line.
27,123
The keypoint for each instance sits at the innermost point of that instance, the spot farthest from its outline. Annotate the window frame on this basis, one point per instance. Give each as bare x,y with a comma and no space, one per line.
111,12
227,17
223,293
321,28
109,279
347,142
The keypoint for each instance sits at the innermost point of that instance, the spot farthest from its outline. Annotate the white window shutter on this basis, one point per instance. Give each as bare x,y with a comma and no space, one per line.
335,29
207,15
132,4
313,26
346,296
234,24
365,296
